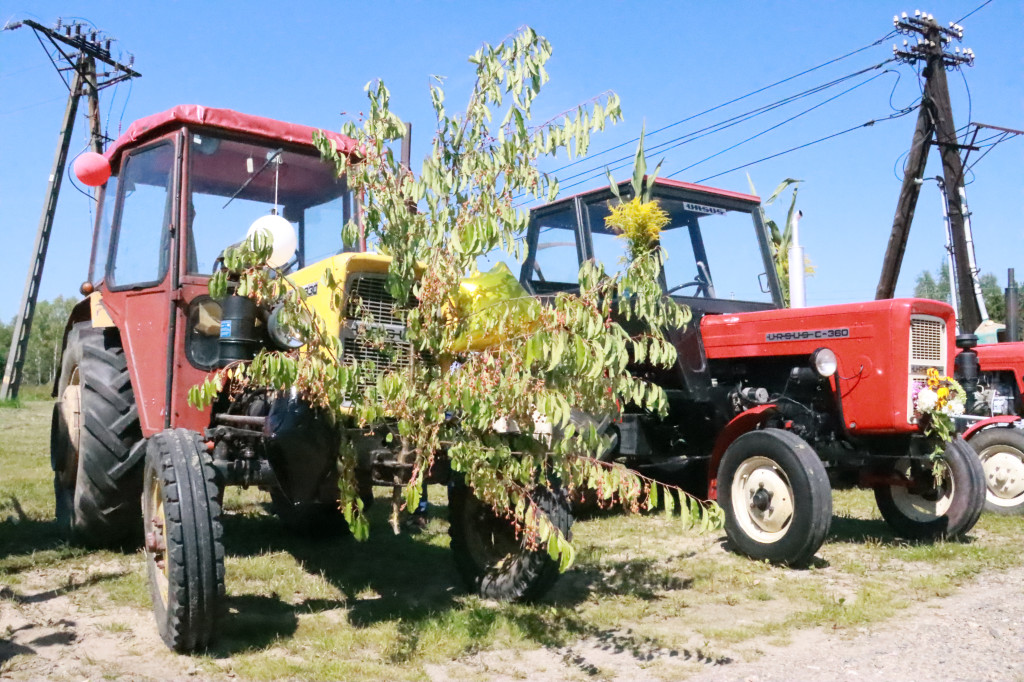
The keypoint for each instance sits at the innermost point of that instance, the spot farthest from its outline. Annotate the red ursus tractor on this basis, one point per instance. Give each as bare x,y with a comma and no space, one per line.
768,405
132,458
993,376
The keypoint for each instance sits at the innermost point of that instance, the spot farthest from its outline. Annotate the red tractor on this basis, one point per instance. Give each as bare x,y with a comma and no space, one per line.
993,376
132,459
768,405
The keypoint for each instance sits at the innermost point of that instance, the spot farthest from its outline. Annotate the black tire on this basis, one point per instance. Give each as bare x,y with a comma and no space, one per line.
184,552
776,497
930,512
491,560
1001,452
95,425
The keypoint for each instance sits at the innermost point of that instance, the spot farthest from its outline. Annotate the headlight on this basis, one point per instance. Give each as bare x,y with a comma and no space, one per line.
824,362
281,332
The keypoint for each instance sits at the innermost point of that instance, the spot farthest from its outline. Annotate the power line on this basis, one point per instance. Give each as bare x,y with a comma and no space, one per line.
624,161
982,5
813,142
729,122
732,101
780,124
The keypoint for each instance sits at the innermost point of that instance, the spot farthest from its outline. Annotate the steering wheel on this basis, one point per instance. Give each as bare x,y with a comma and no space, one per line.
702,287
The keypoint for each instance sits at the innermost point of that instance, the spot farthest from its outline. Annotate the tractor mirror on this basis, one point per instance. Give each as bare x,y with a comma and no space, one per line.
762,280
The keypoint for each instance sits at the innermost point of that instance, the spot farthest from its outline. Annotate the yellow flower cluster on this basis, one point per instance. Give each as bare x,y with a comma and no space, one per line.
638,223
945,388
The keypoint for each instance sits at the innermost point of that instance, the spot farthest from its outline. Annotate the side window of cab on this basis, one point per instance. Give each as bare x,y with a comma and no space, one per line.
139,244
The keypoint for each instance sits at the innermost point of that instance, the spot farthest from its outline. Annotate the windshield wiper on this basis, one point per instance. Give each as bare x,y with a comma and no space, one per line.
270,157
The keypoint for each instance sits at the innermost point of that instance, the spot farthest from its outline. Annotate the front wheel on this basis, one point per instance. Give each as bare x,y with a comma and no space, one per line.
1001,451
926,508
776,497
493,560
184,554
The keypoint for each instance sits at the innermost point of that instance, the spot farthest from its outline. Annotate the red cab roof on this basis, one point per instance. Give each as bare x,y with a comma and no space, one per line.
667,182
223,119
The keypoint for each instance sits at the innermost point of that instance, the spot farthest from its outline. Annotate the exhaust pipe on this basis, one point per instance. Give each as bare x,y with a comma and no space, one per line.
1012,308
797,295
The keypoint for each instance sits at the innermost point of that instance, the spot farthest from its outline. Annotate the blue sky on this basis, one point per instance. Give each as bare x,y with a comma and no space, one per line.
307,62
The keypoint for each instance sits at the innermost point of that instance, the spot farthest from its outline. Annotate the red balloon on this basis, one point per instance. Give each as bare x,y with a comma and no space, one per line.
92,169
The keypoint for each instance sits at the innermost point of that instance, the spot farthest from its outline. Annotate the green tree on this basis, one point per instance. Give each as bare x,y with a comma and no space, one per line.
6,332
44,344
552,361
936,287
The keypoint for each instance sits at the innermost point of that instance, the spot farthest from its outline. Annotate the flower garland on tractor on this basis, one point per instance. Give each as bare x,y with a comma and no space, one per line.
936,402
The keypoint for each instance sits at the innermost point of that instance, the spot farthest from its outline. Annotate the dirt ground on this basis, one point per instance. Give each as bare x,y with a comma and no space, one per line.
975,634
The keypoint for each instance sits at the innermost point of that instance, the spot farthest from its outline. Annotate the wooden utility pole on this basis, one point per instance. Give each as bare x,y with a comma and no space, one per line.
934,124
87,48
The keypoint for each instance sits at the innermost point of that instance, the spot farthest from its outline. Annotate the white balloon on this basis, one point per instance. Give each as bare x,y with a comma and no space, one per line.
280,233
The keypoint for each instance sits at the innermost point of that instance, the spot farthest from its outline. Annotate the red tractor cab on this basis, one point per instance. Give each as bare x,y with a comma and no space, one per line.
186,184
768,405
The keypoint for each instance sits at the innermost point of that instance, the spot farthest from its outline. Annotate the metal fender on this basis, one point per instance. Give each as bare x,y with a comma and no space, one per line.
740,424
1003,420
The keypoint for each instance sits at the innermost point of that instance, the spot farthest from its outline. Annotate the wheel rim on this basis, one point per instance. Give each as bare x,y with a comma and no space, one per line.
71,412
1004,474
156,537
491,540
762,499
928,505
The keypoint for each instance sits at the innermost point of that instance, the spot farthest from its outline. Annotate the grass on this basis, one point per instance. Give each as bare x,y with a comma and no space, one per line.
643,588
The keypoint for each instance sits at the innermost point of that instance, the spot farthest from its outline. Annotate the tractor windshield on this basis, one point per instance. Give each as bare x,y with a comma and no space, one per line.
232,183
714,243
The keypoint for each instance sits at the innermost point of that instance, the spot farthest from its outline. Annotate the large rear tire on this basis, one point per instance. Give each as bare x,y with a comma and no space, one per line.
1001,451
97,476
931,510
776,497
184,552
492,560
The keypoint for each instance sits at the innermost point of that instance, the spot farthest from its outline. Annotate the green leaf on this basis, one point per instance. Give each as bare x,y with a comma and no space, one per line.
612,185
652,497
639,167
649,185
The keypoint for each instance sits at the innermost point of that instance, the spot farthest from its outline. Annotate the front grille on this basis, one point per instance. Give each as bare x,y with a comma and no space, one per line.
927,350
368,296
372,329
393,357
927,341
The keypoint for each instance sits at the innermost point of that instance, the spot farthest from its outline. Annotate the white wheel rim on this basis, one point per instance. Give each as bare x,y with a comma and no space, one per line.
762,499
1004,474
923,508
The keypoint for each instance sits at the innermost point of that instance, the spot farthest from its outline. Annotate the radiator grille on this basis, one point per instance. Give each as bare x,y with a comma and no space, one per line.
927,340
382,340
396,356
927,350
367,294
